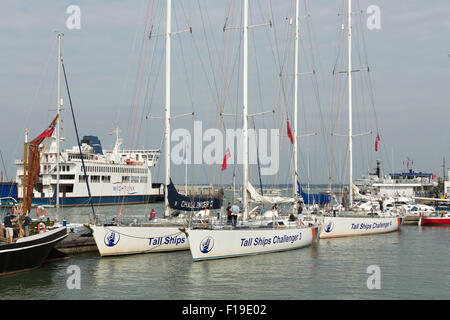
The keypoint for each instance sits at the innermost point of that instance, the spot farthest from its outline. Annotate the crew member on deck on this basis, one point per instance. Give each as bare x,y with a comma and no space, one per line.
8,221
234,213
152,214
299,213
26,224
228,210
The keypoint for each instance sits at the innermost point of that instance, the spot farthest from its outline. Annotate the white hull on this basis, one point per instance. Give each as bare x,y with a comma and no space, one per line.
222,243
117,240
333,227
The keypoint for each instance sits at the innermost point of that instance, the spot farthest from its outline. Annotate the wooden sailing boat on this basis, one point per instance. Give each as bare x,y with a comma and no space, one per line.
30,252
218,241
349,223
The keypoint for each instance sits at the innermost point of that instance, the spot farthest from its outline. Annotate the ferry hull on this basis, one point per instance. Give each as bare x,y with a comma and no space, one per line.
208,244
30,252
117,240
101,200
334,227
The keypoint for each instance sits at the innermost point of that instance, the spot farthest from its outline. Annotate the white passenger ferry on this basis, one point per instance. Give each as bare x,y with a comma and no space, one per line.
117,176
408,183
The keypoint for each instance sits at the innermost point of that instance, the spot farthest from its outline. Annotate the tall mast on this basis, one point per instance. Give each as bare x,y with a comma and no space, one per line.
350,138
245,118
167,116
296,98
25,153
58,123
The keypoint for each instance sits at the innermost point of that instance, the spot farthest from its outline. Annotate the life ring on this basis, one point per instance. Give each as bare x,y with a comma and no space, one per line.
43,211
44,227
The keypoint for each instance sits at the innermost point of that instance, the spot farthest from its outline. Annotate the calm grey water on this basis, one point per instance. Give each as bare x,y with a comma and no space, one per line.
414,264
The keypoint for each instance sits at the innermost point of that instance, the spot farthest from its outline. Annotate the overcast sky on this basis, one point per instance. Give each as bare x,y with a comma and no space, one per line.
116,77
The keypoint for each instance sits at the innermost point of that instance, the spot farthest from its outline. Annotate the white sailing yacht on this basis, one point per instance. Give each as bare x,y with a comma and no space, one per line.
219,241
351,223
162,234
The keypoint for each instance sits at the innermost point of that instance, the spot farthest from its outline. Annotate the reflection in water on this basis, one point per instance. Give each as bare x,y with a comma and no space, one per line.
25,283
434,228
141,276
314,249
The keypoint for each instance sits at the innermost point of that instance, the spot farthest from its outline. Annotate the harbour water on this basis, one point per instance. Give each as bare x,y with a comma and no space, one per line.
412,264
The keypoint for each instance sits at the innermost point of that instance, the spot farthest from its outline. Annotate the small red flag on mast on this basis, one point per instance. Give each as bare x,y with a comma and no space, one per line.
289,133
227,155
376,142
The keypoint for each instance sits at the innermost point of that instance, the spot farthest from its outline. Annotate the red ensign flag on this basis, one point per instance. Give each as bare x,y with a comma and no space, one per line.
376,142
49,131
289,133
227,155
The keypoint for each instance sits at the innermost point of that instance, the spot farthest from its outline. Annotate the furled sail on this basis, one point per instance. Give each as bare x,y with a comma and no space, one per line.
256,197
358,196
180,202
34,164
313,198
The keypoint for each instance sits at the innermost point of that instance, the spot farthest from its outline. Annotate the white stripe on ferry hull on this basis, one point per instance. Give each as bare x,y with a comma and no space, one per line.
114,240
333,227
215,244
